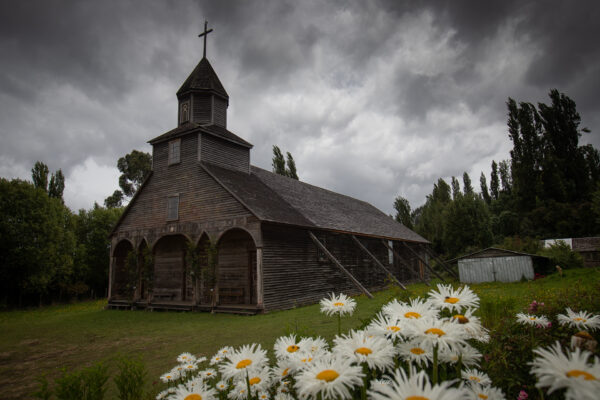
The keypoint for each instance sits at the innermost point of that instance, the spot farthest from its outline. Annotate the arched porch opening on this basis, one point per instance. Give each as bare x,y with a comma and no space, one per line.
123,279
169,280
145,271
236,268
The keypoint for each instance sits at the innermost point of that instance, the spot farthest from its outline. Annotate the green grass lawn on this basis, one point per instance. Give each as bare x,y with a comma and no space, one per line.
44,340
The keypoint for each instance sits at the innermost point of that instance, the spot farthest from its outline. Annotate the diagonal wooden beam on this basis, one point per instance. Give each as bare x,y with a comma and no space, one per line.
423,261
401,259
339,265
363,248
439,260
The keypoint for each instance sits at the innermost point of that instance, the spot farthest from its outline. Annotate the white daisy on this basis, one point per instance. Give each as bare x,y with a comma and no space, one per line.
222,386
386,327
469,355
263,396
225,351
360,347
283,370
581,320
417,308
260,380
340,304
217,359
532,320
189,367
240,361
473,375
471,324
315,346
185,358
417,386
170,376
197,392
285,346
208,373
330,377
478,392
431,332
283,396
303,359
163,395
415,352
556,370
452,299
239,391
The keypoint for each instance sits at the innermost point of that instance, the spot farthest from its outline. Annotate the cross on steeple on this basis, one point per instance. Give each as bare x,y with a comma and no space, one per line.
205,34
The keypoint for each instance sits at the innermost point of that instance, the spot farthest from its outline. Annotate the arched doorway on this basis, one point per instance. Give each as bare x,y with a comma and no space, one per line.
236,270
123,279
169,280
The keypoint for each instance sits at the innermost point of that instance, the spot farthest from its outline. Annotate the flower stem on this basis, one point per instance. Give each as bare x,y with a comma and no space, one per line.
339,324
435,364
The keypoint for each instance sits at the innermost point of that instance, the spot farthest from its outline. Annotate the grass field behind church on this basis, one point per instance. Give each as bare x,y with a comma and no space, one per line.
38,341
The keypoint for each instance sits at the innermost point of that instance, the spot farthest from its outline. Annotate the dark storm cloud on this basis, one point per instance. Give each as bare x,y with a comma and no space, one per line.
388,95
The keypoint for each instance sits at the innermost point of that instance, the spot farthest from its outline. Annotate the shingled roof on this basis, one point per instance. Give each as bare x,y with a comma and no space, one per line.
203,77
275,198
193,127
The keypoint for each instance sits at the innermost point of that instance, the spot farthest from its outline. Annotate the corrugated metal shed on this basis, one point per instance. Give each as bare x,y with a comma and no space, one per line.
494,264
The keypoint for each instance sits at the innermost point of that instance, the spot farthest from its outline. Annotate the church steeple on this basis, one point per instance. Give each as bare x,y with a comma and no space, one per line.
202,97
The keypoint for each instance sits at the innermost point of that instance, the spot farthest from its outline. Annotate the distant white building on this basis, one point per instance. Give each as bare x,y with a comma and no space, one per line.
496,265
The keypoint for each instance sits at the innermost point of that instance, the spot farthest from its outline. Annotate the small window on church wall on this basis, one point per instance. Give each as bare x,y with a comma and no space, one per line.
172,208
174,151
184,113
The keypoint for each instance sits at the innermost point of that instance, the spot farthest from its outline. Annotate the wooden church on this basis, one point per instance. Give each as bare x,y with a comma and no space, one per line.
209,231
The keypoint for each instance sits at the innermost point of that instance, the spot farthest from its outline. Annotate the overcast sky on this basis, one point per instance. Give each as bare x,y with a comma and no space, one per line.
374,99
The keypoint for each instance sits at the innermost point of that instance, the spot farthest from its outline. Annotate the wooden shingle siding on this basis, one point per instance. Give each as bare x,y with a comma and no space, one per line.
202,108
293,274
223,153
219,111
201,198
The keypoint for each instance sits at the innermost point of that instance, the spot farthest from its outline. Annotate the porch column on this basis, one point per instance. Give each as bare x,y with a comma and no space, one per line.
259,276
110,274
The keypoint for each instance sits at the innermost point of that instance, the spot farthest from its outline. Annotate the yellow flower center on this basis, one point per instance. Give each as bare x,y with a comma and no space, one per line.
533,318
474,379
584,335
209,373
412,314
417,398
243,364
364,351
451,300
254,380
338,304
193,396
461,319
168,377
393,328
190,367
285,372
293,348
579,319
327,375
417,350
309,359
482,396
575,373
436,331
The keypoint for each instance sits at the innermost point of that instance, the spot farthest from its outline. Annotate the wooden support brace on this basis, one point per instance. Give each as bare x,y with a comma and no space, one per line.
439,260
401,259
363,248
423,261
339,265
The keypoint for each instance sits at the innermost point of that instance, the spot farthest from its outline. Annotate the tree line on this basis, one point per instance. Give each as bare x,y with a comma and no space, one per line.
549,188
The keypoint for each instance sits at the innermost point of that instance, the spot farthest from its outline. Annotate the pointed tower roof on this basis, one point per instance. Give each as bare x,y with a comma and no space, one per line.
203,78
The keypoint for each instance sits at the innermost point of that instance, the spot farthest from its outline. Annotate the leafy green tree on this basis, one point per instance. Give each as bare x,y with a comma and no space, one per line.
92,228
57,185
494,182
278,161
467,186
291,167
466,224
505,177
115,200
455,188
403,213
134,168
485,194
430,222
38,243
39,175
